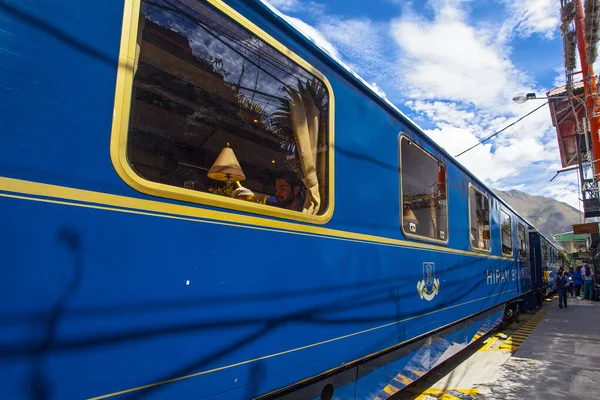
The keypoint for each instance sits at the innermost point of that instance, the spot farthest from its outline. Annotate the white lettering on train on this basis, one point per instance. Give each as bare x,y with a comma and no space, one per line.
494,276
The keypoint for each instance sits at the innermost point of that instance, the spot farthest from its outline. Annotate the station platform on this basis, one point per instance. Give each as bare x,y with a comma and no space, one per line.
551,354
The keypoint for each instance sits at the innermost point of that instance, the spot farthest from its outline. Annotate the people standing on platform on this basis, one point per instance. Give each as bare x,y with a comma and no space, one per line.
577,281
560,284
570,283
588,282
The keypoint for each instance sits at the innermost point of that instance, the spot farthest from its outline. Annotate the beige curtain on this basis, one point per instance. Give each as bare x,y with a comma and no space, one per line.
305,122
433,209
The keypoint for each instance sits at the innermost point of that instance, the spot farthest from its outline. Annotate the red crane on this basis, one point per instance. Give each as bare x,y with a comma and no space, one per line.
589,84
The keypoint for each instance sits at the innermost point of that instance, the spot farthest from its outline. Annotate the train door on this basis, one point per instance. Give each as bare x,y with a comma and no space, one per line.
534,299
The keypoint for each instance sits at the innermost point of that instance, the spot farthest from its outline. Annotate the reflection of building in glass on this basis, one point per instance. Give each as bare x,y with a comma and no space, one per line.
480,219
423,193
506,229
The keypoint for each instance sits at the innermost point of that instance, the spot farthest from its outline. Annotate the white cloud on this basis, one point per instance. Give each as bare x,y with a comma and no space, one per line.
529,17
440,111
357,39
375,87
313,34
560,78
284,5
446,58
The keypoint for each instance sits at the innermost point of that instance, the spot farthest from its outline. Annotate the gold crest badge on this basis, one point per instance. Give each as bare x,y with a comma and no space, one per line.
428,288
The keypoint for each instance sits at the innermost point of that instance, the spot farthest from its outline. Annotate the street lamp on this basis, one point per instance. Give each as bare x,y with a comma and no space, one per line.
523,97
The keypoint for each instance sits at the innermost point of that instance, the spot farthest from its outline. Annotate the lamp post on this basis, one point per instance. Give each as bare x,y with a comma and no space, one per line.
523,97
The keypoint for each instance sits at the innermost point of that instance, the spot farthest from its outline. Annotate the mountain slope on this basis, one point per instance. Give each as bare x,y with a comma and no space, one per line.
549,216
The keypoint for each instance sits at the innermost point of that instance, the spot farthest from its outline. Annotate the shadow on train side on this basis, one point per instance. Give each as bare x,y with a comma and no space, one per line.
41,316
308,315
71,239
57,33
311,315
322,314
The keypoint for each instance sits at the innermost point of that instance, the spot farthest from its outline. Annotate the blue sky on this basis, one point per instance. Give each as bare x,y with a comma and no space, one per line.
453,66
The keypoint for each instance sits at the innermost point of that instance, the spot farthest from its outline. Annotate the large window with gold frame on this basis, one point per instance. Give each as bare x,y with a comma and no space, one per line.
217,110
479,209
424,195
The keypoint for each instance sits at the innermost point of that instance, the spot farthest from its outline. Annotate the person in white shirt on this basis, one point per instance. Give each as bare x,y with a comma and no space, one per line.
588,281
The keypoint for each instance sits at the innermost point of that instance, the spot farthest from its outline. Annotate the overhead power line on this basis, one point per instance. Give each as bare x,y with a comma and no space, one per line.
500,131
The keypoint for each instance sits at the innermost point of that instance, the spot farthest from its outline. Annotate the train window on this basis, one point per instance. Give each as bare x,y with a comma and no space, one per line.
506,230
220,116
479,215
523,242
423,185
544,252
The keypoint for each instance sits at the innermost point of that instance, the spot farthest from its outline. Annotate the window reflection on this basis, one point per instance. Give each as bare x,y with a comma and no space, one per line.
480,220
544,252
523,242
210,96
424,207
506,229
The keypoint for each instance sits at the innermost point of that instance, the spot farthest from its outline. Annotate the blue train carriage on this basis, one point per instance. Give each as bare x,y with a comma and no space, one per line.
226,223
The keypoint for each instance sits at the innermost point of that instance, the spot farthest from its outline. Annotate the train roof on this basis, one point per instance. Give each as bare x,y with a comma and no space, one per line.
365,86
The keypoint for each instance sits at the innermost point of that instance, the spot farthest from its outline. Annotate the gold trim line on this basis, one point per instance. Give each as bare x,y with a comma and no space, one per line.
111,202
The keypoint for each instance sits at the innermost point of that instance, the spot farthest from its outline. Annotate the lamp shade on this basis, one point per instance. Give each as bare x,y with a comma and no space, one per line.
226,167
409,216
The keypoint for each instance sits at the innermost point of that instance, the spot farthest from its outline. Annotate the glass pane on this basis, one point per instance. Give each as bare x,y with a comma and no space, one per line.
480,220
544,252
216,109
423,193
523,242
506,233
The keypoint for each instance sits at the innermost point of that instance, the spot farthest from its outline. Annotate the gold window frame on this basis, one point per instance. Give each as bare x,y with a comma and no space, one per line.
408,234
122,108
471,186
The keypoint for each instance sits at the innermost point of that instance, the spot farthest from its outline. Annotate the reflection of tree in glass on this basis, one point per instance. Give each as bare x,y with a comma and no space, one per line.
252,113
506,234
281,119
300,123
417,200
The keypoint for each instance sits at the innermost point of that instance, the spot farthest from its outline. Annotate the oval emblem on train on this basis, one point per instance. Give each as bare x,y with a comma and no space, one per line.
428,287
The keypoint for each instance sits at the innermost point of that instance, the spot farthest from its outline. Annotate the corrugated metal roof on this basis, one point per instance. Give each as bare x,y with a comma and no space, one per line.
562,90
569,236
565,117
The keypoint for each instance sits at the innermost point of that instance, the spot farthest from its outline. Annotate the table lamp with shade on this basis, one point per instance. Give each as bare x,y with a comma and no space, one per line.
410,218
226,168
